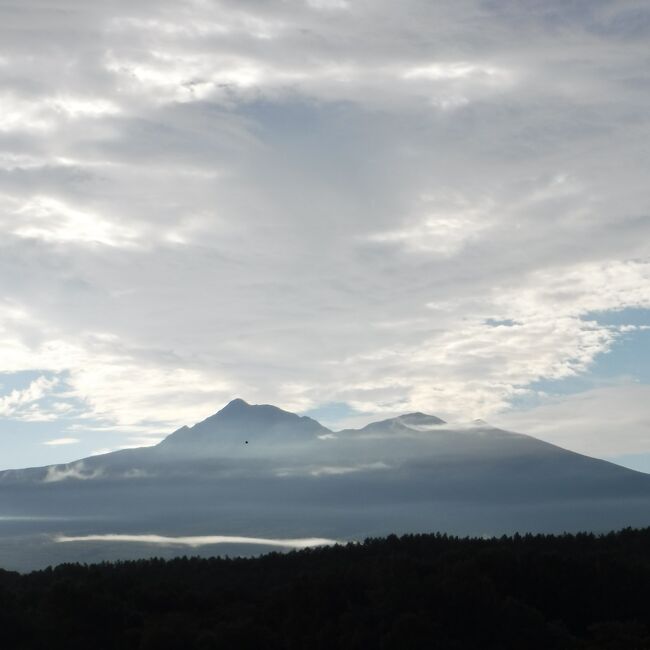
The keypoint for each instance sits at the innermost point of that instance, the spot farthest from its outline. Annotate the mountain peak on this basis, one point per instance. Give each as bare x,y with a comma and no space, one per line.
408,420
240,422
234,405
420,418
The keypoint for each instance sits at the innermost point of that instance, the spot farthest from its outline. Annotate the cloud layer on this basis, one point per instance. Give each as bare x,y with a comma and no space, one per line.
200,540
409,206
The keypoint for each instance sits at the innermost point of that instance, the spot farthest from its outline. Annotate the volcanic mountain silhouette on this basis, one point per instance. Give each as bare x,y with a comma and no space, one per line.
259,470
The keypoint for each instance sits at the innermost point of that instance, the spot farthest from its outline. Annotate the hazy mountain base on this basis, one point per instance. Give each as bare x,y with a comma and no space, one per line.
428,591
26,545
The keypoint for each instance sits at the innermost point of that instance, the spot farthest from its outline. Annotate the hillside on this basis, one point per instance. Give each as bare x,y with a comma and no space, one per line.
419,591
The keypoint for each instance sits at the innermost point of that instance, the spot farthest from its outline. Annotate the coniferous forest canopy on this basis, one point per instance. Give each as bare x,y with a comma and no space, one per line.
417,591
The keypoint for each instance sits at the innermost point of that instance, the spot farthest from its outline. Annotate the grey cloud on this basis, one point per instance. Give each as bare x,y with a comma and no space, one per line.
278,181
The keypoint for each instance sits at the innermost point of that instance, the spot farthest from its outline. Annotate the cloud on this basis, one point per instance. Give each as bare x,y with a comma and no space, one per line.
200,540
316,202
332,470
61,441
24,404
447,225
22,114
335,470
328,4
109,384
604,421
53,221
75,471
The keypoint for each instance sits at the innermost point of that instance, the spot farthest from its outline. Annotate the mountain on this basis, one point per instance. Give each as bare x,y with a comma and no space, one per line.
401,423
256,471
240,423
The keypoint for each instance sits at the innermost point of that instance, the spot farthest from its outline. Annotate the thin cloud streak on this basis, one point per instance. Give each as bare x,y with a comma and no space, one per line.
200,540
61,441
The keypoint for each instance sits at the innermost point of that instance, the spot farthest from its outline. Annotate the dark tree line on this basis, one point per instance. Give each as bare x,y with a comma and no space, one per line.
417,591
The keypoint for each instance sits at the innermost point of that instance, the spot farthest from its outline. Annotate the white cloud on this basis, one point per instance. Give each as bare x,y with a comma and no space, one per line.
52,220
61,441
75,471
448,224
21,116
335,470
112,386
315,202
122,391
23,404
472,367
456,70
331,470
200,540
46,114
79,106
328,4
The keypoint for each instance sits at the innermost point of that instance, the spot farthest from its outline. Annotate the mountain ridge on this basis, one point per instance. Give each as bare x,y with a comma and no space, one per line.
241,429
257,420
257,471
240,421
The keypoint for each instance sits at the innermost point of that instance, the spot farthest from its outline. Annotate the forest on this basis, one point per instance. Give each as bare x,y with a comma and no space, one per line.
433,591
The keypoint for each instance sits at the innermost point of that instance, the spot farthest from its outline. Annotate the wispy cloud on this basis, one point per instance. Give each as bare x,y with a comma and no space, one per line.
24,404
61,441
200,540
331,470
75,471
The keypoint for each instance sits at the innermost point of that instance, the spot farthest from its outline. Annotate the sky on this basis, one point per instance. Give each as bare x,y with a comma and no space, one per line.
348,209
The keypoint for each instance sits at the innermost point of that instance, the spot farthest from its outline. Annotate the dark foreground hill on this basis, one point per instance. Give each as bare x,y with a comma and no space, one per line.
419,591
